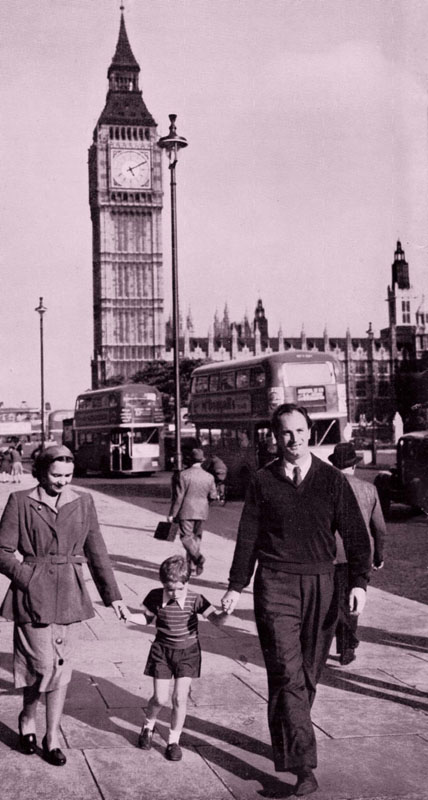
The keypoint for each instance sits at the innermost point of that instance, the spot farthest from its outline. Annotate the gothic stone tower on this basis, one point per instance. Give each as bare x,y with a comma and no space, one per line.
125,197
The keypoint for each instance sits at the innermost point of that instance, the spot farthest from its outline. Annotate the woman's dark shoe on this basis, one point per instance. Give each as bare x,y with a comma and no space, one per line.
55,757
27,741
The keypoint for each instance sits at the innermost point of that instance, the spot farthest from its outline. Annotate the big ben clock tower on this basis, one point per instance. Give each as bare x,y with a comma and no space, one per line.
125,197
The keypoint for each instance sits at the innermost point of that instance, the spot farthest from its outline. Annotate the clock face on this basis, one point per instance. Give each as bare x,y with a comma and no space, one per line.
130,169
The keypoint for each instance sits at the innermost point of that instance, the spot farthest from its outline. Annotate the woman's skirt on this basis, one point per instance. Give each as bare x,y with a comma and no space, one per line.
43,652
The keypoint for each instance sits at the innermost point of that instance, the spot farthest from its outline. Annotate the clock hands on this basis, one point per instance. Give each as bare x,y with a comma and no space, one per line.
131,169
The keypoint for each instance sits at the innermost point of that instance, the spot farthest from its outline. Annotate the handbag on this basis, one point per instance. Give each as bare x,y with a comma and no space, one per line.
167,531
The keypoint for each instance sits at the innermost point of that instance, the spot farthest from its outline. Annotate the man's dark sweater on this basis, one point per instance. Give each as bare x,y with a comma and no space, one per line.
292,528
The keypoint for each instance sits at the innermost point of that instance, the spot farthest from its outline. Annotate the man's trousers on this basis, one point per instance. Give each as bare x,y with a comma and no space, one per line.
191,537
296,618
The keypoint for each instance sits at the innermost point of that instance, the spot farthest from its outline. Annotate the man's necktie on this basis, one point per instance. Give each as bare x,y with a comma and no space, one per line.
297,476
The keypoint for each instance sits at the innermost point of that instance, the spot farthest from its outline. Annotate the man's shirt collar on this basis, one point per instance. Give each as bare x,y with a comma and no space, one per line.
304,464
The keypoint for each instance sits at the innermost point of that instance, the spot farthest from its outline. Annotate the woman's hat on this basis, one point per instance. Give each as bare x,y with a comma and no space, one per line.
55,451
344,456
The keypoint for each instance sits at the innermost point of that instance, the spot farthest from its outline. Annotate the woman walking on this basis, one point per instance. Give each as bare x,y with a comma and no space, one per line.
56,531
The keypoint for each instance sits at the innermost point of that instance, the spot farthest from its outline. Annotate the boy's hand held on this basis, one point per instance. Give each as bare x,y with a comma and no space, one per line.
229,601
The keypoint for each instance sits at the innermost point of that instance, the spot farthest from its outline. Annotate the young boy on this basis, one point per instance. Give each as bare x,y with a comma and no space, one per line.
176,652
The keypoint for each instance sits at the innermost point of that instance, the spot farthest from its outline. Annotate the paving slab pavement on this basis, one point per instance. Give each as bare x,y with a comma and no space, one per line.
371,718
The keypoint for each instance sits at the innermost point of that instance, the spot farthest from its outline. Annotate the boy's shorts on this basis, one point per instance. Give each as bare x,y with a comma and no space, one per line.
171,662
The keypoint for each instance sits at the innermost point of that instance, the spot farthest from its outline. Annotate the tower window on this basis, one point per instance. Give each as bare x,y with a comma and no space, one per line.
405,309
111,133
123,133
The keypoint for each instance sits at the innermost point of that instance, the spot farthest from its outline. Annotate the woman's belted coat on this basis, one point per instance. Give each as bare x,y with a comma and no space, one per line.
48,585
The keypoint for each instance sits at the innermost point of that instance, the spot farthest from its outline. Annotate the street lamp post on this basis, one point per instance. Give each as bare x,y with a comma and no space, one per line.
173,144
370,334
41,309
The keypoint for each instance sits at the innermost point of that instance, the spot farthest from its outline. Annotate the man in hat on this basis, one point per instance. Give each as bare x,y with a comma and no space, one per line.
345,458
190,505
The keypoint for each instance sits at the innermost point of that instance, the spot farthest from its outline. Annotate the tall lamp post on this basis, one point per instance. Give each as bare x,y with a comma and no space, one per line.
41,309
370,334
172,144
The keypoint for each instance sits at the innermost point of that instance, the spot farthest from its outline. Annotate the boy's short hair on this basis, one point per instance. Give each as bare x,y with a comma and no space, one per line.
174,569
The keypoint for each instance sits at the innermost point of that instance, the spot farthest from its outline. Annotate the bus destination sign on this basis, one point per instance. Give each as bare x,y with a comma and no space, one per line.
224,404
310,394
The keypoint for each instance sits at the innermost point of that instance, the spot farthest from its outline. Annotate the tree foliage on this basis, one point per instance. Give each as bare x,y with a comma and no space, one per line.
161,374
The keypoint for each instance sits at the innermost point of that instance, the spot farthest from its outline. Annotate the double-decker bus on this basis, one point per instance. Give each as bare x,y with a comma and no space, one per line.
20,425
232,403
55,426
117,430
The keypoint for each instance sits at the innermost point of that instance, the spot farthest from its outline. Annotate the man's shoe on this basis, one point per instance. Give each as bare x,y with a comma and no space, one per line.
348,656
55,756
199,564
173,752
306,783
145,739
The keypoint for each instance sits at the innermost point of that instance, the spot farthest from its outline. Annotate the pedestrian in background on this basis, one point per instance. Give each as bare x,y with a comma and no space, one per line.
16,465
194,490
176,652
54,531
6,465
218,469
345,459
292,508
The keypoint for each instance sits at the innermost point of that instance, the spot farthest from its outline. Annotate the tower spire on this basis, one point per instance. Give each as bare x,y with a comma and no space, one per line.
124,104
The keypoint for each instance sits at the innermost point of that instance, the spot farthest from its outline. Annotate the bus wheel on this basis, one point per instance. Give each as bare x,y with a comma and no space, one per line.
244,479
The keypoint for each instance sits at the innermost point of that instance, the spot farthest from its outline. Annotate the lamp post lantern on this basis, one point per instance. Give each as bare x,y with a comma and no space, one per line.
172,144
41,309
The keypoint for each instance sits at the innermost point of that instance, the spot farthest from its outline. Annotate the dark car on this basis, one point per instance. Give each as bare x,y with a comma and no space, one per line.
408,482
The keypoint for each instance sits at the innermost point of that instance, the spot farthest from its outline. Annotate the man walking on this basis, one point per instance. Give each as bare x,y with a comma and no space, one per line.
190,505
292,509
345,458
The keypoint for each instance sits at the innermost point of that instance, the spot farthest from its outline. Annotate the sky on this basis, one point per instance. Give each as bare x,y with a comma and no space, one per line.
307,159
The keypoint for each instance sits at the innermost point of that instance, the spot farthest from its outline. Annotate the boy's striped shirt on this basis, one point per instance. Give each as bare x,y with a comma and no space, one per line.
176,627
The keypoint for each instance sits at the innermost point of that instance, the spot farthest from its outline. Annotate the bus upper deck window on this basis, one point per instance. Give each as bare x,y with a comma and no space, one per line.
242,378
214,383
258,377
227,380
201,384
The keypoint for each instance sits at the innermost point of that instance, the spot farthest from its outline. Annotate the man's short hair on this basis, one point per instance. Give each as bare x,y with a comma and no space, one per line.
288,408
174,569
197,455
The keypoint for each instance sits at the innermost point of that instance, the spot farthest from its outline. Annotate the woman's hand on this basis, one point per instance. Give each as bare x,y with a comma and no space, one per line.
229,601
120,609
